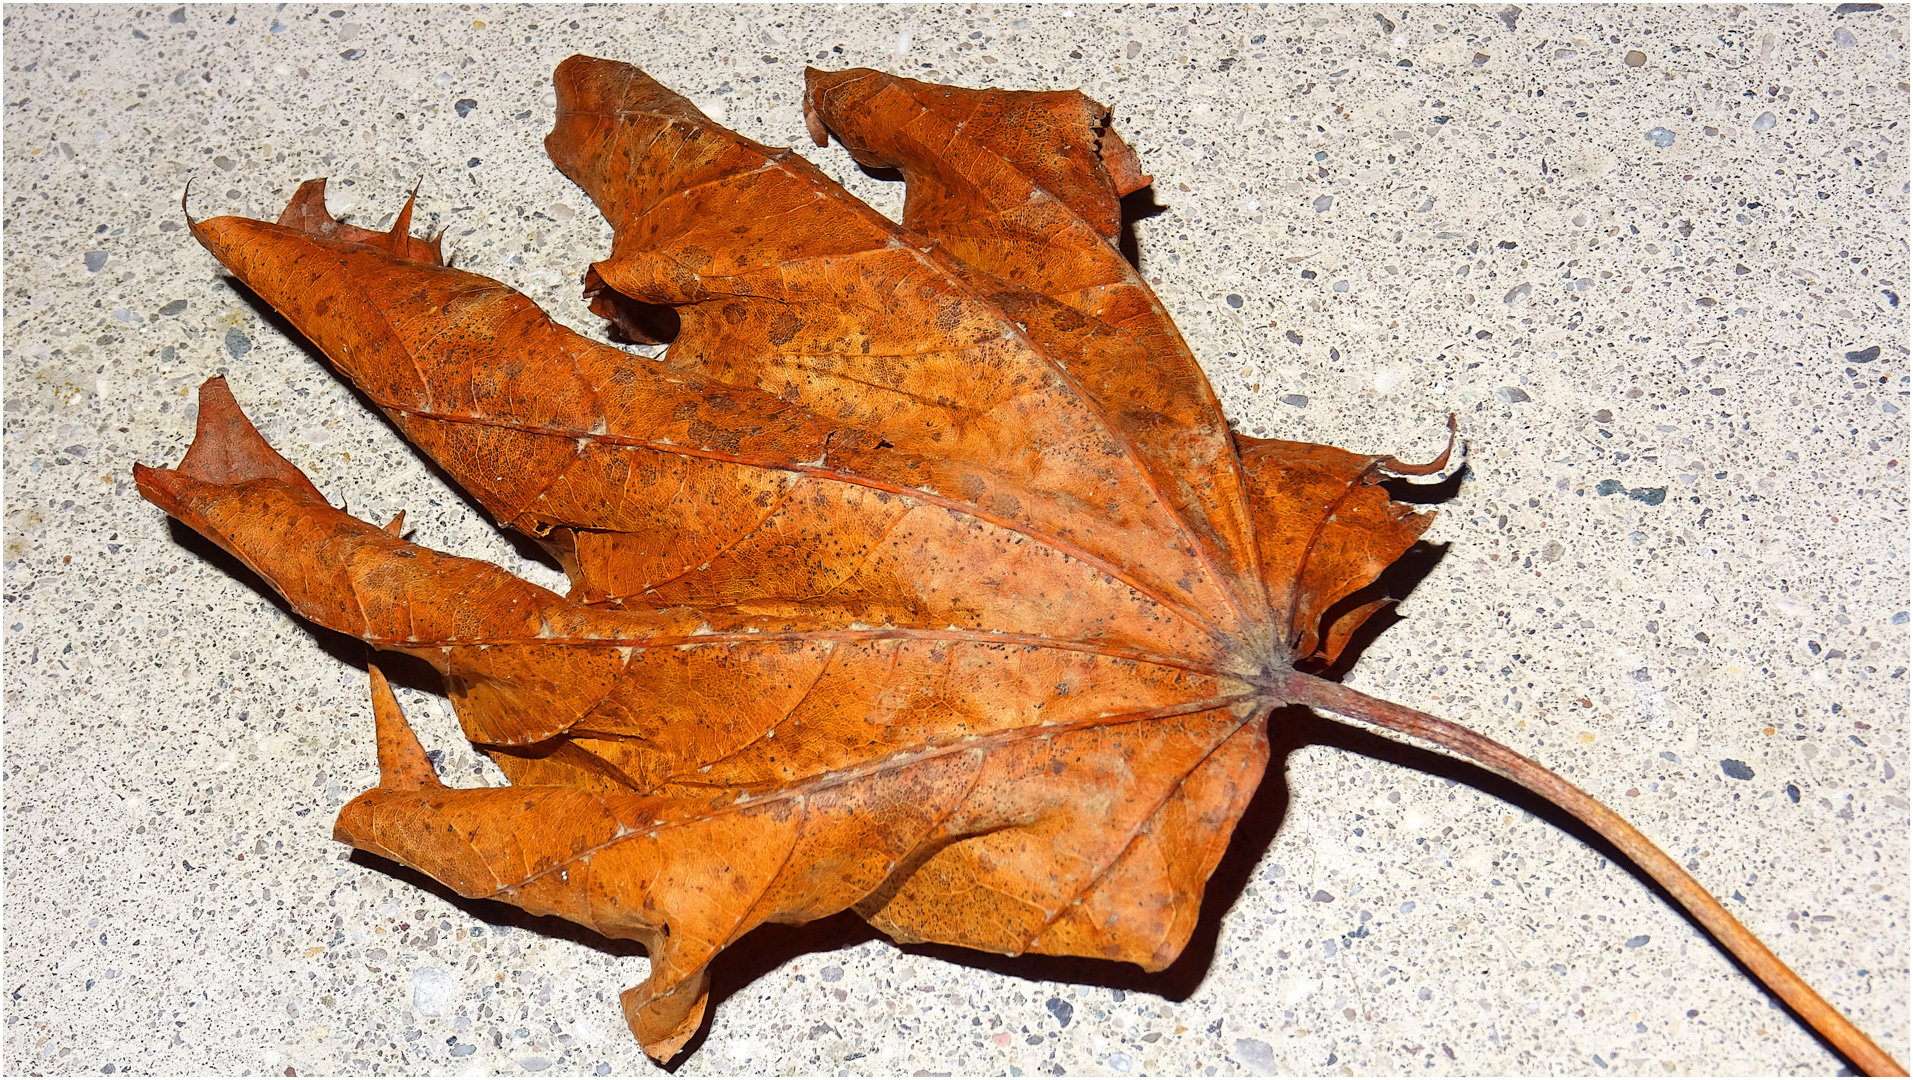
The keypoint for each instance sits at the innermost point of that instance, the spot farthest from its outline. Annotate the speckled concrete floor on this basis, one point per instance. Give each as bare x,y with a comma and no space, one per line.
1653,257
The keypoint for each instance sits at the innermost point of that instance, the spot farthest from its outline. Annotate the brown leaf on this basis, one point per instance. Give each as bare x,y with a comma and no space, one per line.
921,577
708,769
1326,531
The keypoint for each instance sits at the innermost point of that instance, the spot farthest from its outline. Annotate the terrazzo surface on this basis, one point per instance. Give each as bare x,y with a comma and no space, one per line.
1654,258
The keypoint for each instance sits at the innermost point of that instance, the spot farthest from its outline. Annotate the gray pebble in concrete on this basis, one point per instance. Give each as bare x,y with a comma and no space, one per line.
1258,1056
433,989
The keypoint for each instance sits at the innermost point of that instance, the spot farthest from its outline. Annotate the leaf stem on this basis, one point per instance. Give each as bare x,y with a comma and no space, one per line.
1738,940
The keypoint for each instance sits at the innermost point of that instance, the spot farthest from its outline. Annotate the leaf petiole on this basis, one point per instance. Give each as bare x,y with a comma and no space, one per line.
1833,1026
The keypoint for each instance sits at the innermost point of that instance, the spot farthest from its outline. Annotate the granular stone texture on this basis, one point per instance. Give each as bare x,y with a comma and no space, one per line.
1654,259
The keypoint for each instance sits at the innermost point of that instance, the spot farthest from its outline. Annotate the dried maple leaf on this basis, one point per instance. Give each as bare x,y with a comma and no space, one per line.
922,577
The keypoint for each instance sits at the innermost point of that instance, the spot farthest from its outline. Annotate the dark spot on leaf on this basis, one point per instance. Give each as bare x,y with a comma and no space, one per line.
783,326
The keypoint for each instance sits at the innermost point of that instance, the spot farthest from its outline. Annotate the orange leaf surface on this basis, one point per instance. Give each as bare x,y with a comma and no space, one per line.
920,577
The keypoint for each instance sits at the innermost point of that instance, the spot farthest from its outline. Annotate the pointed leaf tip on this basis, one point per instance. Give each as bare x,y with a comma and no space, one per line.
401,230
403,765
191,225
227,449
1403,468
306,211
